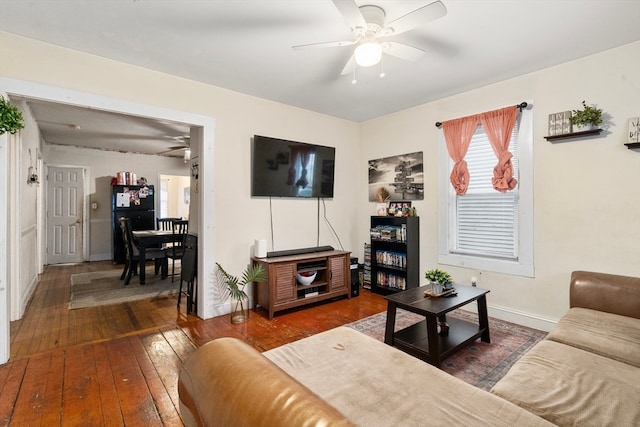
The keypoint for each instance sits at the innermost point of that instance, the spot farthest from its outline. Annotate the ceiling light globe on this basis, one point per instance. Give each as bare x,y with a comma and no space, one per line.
368,54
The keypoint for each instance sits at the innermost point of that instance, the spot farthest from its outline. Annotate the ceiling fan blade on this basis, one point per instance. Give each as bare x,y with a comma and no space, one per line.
349,9
171,150
416,18
324,44
349,67
402,51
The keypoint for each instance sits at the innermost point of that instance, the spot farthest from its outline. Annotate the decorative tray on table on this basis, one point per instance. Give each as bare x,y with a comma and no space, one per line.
444,293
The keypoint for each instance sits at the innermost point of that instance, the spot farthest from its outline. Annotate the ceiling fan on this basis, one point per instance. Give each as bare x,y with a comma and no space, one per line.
185,140
369,31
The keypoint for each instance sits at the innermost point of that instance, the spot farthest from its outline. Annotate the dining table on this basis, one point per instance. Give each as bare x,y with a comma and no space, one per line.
144,239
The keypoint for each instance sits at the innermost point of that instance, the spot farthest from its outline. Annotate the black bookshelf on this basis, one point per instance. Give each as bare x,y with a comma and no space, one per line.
395,256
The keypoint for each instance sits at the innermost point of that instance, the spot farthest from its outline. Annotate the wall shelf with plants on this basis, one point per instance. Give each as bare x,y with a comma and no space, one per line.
584,123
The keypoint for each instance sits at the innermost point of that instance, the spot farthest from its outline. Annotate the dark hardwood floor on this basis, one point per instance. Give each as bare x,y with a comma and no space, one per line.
119,365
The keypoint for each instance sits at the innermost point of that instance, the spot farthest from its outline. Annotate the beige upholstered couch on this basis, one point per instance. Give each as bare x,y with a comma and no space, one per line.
343,378
587,370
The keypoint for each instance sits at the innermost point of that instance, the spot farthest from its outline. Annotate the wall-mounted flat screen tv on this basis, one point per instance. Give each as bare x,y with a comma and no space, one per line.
283,168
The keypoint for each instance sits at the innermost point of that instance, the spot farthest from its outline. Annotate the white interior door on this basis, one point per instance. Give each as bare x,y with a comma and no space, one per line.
65,204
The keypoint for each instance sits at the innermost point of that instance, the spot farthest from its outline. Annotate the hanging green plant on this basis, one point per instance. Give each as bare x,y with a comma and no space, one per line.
10,117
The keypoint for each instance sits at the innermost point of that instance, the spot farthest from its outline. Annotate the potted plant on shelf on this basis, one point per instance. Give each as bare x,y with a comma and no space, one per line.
440,280
10,117
587,118
235,286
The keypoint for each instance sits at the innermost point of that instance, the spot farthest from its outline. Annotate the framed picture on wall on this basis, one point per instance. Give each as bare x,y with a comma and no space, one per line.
401,176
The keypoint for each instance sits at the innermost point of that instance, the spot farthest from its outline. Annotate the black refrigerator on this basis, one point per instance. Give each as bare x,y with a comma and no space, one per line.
135,202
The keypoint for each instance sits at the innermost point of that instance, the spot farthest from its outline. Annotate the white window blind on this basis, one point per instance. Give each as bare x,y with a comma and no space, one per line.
485,221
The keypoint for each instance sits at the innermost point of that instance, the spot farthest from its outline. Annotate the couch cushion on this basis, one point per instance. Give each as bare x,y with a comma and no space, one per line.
374,384
611,335
570,386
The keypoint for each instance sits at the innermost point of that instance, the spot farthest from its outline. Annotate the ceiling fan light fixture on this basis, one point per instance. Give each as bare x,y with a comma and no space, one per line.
368,54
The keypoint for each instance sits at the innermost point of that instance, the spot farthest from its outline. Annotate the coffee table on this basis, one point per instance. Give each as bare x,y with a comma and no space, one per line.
422,339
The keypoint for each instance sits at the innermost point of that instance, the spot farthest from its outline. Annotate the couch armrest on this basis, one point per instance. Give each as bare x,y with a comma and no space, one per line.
605,292
226,382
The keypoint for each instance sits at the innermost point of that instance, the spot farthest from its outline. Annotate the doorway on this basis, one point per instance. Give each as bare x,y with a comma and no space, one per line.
175,196
202,129
65,215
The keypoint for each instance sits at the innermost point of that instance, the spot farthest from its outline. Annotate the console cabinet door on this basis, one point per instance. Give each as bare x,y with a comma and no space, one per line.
338,277
285,283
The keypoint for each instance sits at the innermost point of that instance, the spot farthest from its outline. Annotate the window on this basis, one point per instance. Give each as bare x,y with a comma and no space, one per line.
486,229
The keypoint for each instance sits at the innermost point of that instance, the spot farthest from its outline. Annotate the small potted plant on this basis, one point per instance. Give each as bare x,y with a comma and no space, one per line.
440,280
10,117
587,118
235,286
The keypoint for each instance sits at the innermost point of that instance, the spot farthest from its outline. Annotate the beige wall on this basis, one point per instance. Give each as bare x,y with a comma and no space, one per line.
24,222
586,191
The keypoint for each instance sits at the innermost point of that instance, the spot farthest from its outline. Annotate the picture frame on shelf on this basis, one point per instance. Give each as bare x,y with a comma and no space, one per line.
400,208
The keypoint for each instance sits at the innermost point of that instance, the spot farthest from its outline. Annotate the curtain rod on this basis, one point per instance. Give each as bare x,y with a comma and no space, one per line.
520,107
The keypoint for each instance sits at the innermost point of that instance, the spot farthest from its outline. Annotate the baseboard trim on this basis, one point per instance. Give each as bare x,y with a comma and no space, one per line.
518,317
100,257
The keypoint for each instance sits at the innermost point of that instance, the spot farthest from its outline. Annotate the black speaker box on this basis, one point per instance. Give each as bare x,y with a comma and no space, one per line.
355,278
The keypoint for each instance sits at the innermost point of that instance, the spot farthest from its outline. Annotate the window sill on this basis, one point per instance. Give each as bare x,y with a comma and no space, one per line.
514,268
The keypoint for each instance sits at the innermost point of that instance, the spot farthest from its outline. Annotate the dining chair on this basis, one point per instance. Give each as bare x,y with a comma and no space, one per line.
132,255
165,224
188,268
176,250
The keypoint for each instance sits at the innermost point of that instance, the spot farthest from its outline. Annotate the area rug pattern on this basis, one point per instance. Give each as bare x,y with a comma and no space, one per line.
105,288
481,364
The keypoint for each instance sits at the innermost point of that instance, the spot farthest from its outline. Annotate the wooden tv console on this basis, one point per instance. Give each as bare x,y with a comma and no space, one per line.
282,291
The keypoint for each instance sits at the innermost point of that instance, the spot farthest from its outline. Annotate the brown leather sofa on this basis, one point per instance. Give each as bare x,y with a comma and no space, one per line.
586,372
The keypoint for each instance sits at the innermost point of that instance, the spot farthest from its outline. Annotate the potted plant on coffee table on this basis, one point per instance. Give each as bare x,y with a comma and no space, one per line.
587,118
440,280
235,286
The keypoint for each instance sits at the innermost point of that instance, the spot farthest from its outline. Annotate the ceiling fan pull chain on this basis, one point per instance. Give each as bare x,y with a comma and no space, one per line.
354,81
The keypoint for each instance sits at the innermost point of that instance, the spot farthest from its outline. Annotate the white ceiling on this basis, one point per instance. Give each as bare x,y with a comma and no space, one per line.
245,46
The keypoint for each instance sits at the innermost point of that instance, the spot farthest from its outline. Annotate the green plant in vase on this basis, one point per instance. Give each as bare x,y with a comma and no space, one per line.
586,118
235,286
440,278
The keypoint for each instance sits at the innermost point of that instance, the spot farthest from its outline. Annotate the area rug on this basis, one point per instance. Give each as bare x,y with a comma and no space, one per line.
480,364
105,288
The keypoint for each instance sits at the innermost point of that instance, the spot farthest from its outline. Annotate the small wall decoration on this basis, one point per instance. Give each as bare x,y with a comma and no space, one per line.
634,129
195,173
402,176
187,195
560,123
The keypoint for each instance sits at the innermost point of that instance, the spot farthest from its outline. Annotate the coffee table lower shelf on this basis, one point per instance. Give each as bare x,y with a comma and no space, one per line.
414,339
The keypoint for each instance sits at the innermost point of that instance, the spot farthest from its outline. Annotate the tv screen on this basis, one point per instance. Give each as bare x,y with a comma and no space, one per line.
282,168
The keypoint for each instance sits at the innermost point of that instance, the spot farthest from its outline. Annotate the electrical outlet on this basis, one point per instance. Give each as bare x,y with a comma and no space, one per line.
474,280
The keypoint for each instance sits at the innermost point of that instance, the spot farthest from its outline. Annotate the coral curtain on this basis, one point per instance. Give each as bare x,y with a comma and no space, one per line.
498,125
458,134
304,154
